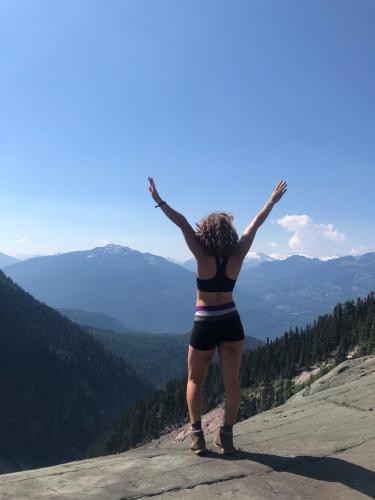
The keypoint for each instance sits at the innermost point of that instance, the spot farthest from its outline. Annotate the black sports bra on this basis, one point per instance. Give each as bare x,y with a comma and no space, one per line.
220,282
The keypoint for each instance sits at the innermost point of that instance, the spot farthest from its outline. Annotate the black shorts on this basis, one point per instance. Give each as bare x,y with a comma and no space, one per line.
207,333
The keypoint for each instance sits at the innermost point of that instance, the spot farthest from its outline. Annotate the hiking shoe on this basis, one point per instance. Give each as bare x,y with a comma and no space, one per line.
224,440
197,442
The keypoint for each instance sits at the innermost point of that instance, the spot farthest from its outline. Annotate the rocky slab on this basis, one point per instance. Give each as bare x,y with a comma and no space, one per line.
321,445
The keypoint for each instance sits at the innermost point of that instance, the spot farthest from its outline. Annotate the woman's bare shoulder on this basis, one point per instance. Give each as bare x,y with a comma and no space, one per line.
234,263
205,257
236,255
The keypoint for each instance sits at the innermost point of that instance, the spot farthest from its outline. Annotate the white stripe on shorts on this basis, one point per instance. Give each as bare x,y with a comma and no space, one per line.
216,313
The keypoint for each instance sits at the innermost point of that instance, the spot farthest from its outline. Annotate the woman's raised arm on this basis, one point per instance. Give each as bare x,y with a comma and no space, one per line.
178,219
249,233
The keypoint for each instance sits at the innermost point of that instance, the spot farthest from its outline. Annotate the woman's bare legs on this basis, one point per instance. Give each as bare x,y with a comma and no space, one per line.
230,361
198,362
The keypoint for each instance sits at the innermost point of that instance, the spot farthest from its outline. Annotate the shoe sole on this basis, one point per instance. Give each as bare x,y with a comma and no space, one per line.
197,452
225,451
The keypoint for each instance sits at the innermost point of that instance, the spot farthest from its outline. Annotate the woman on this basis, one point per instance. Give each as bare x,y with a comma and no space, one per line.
219,254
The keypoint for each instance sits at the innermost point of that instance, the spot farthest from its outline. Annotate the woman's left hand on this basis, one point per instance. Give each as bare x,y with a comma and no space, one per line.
278,192
153,191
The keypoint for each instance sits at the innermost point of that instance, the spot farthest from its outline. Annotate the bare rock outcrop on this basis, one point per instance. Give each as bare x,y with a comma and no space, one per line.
321,445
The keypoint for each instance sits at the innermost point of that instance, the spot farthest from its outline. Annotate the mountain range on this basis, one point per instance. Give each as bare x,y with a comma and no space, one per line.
149,293
253,259
138,289
6,260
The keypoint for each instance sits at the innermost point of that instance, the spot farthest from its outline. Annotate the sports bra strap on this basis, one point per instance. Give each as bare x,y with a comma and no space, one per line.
220,282
221,265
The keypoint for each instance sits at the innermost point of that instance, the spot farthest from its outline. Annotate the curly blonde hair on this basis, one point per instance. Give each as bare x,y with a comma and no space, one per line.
217,235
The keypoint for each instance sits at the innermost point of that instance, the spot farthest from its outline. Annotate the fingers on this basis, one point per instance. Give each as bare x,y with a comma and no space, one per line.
279,190
282,191
281,186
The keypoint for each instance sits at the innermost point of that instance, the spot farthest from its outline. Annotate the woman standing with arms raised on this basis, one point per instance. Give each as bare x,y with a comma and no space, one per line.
219,254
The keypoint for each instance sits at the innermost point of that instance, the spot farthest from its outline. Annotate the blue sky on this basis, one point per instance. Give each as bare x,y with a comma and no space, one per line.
216,100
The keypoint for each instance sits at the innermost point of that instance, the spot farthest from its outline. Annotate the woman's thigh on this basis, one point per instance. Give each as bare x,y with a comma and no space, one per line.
230,361
198,362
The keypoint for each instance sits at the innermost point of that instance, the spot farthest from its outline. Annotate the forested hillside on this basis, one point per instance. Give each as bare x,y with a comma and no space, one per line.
157,358
94,320
266,375
59,386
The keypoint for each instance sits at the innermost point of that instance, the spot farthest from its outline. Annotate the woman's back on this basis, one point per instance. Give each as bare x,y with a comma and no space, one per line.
216,278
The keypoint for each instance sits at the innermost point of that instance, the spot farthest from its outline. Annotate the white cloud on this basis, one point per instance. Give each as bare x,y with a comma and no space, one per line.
331,233
102,241
23,240
273,244
311,238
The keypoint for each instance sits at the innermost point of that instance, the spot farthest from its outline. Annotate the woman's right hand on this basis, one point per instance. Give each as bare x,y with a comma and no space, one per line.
153,191
278,192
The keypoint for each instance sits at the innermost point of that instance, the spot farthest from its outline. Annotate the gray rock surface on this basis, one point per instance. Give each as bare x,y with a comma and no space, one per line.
318,446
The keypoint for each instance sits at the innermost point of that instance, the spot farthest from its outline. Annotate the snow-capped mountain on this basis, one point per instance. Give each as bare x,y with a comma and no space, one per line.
148,292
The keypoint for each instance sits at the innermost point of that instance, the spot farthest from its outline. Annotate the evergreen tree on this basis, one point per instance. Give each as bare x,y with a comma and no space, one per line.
266,373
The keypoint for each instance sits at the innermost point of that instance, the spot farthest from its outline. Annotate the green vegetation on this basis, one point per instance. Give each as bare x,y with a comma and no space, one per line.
59,386
266,375
157,358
